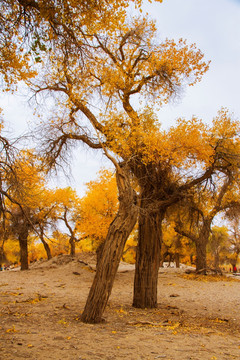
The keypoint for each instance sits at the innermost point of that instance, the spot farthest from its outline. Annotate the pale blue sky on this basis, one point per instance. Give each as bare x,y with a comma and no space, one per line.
214,26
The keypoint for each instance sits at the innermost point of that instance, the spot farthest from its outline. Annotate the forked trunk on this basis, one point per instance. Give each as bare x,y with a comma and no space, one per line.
112,250
147,260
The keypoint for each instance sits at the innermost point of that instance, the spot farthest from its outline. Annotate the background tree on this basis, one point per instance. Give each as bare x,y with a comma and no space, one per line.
98,209
218,241
220,193
174,246
9,180
232,215
25,184
68,211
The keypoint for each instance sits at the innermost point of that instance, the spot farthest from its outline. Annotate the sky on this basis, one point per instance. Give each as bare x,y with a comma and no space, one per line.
214,25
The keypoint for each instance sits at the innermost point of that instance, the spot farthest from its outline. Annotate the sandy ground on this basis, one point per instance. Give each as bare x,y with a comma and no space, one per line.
40,310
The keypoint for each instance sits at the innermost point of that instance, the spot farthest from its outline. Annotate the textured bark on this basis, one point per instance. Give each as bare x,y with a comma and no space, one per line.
148,260
201,248
72,246
99,252
156,190
112,250
201,257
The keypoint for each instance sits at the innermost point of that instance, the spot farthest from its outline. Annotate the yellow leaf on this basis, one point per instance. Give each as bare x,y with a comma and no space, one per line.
11,330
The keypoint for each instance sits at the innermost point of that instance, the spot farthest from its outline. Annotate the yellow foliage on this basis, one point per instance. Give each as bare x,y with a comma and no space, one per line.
12,330
98,207
207,278
26,179
12,251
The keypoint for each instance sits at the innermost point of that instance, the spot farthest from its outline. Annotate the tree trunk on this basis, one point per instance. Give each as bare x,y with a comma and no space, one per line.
72,246
112,250
23,243
177,260
2,255
99,251
148,259
201,257
201,249
216,260
47,249
178,247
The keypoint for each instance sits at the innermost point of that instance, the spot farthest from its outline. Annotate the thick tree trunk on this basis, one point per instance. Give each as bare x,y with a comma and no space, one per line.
201,248
112,250
72,246
177,260
201,257
23,243
148,260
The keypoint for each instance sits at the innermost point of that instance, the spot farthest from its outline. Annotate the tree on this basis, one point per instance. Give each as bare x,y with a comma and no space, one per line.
163,182
174,245
30,28
68,211
141,69
9,180
233,248
45,218
218,245
25,182
112,249
110,68
220,193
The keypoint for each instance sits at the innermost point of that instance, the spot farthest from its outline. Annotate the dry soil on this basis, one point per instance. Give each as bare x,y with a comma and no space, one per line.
196,319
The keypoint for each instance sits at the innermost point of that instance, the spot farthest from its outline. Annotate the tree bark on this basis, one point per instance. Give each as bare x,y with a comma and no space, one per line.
99,251
148,260
72,246
201,248
23,243
45,244
112,250
177,260
47,249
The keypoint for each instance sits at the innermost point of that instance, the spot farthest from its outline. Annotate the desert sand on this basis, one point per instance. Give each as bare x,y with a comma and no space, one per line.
196,319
